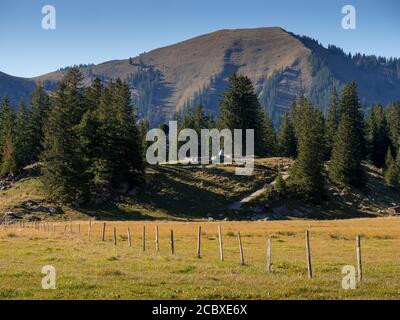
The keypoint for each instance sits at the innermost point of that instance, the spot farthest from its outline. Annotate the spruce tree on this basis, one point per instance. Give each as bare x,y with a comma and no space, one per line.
7,138
287,138
377,136
350,106
240,109
393,121
307,172
64,175
23,145
39,109
332,122
345,167
392,171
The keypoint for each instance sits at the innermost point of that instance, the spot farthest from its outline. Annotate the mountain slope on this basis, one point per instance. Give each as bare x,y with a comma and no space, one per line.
280,64
15,88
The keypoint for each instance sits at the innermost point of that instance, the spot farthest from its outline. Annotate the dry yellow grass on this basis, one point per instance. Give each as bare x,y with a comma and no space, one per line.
92,269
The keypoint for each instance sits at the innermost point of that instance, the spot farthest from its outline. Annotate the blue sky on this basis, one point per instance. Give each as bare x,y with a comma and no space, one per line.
94,31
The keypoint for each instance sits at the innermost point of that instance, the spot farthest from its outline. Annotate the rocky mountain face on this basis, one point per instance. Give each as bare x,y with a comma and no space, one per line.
280,64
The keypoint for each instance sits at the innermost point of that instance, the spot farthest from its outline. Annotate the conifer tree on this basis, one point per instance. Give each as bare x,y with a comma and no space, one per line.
332,122
240,109
38,112
7,138
393,121
345,167
64,172
377,136
350,105
23,145
307,172
287,138
392,172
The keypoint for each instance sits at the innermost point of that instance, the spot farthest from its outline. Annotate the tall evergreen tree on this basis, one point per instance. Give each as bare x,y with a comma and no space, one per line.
287,138
39,109
23,145
345,167
240,109
350,105
332,122
64,172
307,172
393,120
392,171
377,136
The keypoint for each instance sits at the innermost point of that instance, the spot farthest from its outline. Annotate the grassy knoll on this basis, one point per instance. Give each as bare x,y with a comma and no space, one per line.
91,269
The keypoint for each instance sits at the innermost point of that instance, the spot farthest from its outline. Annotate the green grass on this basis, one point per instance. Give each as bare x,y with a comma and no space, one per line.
91,269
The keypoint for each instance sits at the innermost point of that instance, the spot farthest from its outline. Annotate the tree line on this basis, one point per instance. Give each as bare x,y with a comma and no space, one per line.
91,146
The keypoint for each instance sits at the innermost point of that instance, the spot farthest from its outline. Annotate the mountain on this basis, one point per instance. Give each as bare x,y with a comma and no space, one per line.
15,88
281,65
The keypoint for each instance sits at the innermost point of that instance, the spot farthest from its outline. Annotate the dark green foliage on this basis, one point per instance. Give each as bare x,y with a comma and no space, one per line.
280,185
38,111
286,138
23,145
393,121
64,171
377,136
307,172
392,171
350,105
345,168
332,122
92,146
349,143
240,109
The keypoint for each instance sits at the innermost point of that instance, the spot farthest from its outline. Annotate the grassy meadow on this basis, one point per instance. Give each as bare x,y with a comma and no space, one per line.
88,268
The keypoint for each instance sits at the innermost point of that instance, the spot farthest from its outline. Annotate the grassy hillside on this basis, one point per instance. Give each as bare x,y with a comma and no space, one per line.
196,192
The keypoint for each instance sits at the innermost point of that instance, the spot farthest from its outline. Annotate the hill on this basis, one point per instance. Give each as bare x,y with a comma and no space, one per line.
174,192
280,64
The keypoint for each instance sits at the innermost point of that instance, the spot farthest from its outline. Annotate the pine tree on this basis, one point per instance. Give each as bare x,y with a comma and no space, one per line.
280,184
377,136
5,112
7,138
64,172
23,145
393,121
307,172
39,109
350,105
240,109
287,138
332,122
392,172
345,168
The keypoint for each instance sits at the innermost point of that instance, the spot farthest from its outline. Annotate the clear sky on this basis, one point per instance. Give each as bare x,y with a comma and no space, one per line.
94,31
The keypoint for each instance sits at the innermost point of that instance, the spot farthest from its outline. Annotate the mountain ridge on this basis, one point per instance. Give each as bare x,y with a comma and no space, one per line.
280,64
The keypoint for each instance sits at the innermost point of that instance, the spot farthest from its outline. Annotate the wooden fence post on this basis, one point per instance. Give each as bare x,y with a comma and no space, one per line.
115,236
198,242
172,242
240,249
129,237
221,251
79,228
70,225
157,240
359,261
269,256
103,232
144,239
308,252
89,228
